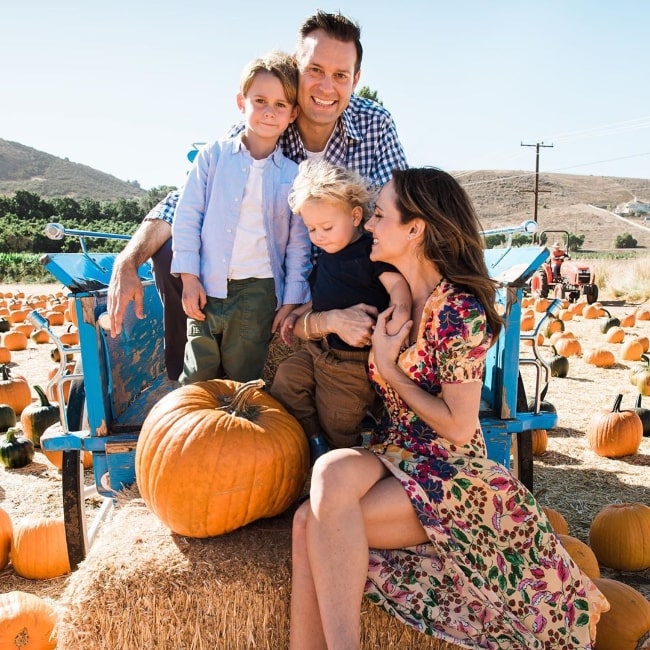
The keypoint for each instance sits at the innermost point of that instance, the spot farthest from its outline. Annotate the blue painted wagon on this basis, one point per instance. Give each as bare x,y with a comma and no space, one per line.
120,379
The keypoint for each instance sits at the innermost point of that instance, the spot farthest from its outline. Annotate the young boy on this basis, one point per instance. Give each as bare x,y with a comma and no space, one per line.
325,385
242,256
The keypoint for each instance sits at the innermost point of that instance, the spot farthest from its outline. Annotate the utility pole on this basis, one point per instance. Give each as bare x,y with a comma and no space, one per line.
537,190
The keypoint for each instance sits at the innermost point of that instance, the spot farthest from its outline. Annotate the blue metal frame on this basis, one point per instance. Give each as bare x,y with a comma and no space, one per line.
125,376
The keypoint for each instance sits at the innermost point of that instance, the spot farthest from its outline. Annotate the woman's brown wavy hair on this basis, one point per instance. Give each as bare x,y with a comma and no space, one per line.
452,238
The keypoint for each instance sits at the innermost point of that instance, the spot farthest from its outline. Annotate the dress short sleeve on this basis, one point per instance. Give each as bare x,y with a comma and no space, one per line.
462,339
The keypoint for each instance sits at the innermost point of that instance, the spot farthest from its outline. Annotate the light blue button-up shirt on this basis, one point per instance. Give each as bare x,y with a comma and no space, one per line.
205,222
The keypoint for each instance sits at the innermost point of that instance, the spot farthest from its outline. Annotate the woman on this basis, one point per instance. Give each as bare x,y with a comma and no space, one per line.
477,563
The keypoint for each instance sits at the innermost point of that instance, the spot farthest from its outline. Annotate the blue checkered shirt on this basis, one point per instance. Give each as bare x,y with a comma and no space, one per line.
364,139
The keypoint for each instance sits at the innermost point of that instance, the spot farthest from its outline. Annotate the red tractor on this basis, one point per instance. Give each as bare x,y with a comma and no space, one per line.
561,276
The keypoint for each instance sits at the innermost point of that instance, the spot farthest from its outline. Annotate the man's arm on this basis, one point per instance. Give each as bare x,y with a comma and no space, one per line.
125,284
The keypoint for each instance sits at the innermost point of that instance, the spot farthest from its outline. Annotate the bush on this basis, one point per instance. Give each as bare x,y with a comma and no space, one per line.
625,241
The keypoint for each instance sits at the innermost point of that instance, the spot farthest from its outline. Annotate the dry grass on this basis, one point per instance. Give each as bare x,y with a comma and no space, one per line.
627,279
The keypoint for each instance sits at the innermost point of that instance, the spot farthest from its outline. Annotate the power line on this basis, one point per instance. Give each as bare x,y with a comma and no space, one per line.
536,190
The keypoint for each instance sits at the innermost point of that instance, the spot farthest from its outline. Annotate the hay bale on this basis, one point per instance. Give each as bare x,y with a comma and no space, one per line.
142,586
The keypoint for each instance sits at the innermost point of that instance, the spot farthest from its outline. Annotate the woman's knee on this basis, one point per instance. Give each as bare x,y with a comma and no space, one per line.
344,475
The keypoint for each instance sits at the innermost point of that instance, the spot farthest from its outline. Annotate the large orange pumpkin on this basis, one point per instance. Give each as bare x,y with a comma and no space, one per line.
626,626
615,433
26,621
216,455
15,340
6,533
38,548
632,350
620,536
568,347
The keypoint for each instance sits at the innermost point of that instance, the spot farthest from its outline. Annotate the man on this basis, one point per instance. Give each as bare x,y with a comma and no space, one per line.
331,124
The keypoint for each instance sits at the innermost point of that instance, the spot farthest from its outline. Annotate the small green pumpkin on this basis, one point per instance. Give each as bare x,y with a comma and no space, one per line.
608,322
37,417
558,364
16,451
644,414
7,417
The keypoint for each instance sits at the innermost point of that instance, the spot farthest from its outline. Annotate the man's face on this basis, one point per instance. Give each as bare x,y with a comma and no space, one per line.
327,78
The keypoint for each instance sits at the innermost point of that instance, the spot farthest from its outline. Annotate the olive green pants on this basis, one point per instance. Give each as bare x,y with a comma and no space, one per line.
234,338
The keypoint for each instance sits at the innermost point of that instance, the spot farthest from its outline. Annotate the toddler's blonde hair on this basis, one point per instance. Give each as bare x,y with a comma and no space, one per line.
323,181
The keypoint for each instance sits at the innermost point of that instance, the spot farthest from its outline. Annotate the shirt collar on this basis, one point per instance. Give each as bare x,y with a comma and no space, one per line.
239,146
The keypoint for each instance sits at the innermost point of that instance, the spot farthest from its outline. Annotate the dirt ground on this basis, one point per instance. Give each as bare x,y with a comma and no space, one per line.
569,477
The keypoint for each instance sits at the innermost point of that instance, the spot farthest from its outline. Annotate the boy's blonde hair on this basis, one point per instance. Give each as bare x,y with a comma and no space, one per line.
323,181
278,63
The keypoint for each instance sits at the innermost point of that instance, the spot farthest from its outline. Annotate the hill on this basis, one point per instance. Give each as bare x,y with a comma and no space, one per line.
24,168
579,204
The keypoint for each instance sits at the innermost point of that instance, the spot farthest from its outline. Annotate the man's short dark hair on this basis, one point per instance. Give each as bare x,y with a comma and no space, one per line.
336,26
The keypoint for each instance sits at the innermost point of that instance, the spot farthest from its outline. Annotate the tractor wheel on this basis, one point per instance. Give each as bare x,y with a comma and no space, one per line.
539,284
591,292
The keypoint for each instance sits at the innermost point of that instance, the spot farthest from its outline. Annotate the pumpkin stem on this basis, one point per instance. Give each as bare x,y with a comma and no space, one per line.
239,402
22,638
617,404
42,396
5,372
638,401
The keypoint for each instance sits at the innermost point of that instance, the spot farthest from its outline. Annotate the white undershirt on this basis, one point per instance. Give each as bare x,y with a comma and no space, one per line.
250,255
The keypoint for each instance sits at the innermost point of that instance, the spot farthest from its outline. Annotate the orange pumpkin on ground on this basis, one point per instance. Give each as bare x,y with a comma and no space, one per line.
568,347
14,390
626,626
5,355
620,536
540,441
15,341
39,549
6,532
615,334
581,554
600,357
631,350
26,621
559,523
615,433
250,453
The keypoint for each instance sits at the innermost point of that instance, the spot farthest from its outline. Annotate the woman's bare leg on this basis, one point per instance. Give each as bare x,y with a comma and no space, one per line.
306,628
347,484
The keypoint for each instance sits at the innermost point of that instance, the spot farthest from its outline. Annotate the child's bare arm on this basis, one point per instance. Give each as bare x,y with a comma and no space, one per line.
400,296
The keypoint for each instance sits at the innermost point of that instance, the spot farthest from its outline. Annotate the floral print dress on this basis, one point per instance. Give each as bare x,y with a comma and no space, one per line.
493,574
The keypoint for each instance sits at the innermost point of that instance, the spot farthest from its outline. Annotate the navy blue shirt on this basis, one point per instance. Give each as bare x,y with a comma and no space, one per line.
347,278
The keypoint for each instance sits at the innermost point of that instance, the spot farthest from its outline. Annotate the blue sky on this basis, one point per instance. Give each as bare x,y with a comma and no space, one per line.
126,86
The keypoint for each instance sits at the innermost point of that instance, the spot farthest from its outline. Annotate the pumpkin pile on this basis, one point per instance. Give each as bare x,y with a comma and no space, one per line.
216,455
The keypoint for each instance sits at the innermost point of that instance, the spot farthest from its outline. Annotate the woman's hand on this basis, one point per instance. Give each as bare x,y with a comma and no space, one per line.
385,346
353,325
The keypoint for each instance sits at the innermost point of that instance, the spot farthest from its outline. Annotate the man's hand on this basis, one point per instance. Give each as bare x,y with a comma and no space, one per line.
353,325
125,287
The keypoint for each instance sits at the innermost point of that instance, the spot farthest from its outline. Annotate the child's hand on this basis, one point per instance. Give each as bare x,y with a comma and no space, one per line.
194,297
286,329
285,319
